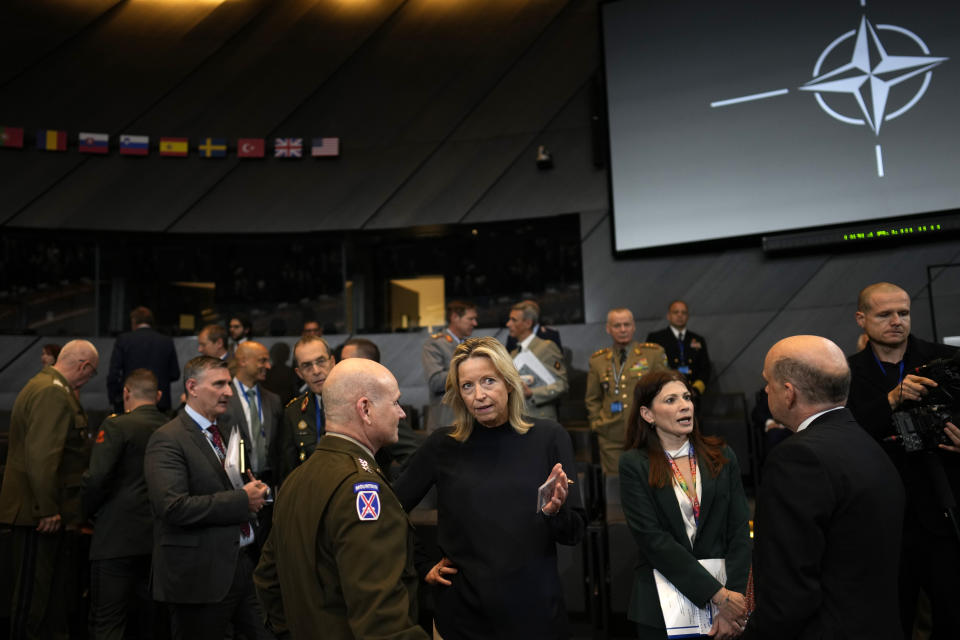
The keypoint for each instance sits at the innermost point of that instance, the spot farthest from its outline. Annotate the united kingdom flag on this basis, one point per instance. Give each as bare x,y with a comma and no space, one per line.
288,148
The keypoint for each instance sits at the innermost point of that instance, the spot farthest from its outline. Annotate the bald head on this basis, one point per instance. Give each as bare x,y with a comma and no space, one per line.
865,300
805,375
78,362
361,399
253,362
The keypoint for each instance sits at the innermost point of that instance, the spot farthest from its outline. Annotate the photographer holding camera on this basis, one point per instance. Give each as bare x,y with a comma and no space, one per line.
884,381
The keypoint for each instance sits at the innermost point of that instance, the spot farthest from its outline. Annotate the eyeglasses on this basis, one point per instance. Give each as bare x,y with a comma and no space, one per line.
319,363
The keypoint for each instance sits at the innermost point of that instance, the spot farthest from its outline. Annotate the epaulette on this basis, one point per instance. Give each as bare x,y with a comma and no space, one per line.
650,345
112,415
292,400
600,352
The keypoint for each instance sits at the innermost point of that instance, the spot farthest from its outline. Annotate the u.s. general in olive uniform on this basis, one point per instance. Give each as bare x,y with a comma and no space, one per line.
358,579
40,498
611,379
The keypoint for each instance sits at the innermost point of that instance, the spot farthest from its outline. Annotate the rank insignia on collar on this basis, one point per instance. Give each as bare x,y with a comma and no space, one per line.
306,401
368,500
364,464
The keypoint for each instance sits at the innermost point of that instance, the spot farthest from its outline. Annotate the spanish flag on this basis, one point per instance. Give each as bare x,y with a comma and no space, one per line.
178,147
50,140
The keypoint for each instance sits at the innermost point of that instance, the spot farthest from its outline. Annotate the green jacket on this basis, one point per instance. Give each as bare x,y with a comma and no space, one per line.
340,555
657,526
49,451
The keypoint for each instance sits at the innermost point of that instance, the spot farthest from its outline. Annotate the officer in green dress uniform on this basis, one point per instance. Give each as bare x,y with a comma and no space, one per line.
303,417
339,561
40,498
611,379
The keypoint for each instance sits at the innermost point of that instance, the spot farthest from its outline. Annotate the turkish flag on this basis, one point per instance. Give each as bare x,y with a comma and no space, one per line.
250,148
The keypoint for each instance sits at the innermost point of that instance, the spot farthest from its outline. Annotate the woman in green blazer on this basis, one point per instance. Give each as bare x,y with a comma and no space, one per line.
683,500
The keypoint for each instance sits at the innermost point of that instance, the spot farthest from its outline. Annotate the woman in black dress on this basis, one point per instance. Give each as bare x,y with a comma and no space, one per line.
498,574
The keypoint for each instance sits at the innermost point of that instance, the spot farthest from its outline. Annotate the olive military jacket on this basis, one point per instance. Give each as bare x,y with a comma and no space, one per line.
300,430
604,388
48,453
339,559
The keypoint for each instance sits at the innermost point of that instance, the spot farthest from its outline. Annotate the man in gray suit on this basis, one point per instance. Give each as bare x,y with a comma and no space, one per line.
542,400
257,411
437,354
202,552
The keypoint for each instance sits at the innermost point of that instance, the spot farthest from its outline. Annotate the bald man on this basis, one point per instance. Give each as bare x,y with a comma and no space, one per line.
829,511
340,556
40,498
884,381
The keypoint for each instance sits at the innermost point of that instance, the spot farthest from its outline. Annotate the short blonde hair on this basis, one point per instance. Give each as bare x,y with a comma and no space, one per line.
490,348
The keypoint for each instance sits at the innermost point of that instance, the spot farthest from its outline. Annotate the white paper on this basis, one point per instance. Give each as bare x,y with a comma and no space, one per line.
684,619
532,370
231,464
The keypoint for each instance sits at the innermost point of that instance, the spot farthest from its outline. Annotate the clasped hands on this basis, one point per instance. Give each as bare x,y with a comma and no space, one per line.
731,616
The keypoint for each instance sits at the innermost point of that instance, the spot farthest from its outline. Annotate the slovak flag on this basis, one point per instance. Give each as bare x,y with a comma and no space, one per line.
93,142
250,147
288,148
134,145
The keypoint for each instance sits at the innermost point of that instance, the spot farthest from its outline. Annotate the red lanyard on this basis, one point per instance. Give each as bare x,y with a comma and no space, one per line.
683,483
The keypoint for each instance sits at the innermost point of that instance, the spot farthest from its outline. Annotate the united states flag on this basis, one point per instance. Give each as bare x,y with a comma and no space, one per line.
288,148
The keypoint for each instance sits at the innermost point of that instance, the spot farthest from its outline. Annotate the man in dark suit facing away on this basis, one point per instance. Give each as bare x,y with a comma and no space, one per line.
829,511
115,498
203,555
142,348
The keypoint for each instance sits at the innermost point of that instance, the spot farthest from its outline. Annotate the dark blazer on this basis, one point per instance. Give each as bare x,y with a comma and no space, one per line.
142,348
654,517
198,515
828,525
544,333
114,491
868,403
272,426
694,353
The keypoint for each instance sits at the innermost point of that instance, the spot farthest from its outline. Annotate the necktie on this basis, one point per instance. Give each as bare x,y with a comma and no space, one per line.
222,454
519,348
256,431
623,356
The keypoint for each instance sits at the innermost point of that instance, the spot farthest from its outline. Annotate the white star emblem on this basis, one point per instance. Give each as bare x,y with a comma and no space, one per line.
862,79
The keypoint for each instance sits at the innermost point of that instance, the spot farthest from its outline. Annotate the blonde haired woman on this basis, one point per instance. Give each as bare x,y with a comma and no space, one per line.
498,574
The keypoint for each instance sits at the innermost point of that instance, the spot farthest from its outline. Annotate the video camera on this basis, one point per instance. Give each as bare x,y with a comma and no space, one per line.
919,426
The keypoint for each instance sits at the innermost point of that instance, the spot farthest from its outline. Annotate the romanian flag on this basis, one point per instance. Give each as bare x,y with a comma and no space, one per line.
93,142
178,147
50,140
11,137
213,148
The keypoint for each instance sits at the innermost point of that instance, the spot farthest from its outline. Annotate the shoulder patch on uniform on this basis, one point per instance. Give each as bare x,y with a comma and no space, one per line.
368,500
100,437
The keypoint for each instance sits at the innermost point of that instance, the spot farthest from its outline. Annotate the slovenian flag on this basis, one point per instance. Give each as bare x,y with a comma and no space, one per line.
134,145
50,140
213,148
93,142
178,147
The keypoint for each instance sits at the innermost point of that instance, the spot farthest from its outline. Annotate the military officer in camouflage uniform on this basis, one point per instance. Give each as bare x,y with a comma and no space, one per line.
437,354
614,372
339,561
303,417
40,498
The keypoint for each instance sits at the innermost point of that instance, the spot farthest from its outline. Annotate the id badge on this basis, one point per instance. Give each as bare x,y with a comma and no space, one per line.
685,370
616,407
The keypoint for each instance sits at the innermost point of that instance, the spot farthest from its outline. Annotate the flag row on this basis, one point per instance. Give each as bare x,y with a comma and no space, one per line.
136,145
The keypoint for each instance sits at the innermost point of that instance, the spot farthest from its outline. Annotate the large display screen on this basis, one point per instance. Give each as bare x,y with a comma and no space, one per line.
729,119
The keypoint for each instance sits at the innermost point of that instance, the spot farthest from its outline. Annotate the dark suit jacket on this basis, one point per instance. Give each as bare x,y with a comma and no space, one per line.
657,525
114,491
198,515
143,348
272,426
868,403
828,525
544,333
695,356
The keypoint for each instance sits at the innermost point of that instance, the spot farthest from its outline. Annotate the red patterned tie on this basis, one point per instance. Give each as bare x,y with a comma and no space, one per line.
221,453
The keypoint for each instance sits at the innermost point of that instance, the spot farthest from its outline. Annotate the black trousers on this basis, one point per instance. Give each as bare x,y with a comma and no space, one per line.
240,607
932,563
120,597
